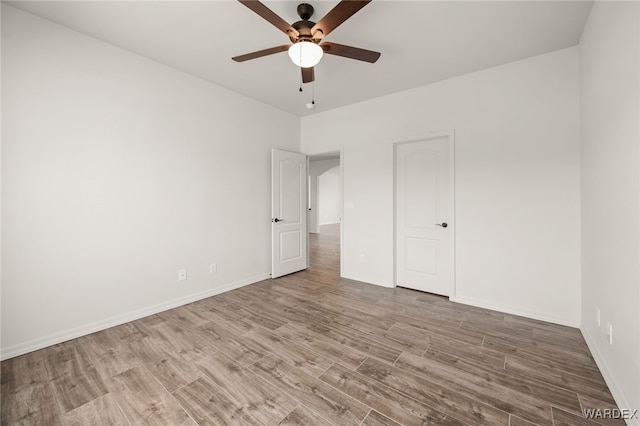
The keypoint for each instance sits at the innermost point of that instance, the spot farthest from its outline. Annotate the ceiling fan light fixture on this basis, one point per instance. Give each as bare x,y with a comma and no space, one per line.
305,54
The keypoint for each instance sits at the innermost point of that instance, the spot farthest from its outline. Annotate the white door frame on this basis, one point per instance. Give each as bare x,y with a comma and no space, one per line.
450,135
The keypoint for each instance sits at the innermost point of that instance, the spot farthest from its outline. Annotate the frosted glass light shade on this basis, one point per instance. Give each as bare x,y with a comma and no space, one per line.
305,54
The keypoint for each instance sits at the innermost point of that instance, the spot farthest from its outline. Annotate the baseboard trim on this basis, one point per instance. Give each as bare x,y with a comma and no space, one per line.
510,310
616,392
73,333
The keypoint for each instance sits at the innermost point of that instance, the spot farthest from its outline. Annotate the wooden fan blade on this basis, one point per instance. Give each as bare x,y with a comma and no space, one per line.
336,16
261,53
271,17
307,75
350,52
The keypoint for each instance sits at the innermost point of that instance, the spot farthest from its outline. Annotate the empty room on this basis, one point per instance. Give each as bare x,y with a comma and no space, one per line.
381,212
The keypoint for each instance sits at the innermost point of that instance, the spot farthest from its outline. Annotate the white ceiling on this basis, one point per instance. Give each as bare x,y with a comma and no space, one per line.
421,41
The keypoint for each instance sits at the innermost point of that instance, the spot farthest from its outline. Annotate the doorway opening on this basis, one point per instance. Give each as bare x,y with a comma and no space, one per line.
324,215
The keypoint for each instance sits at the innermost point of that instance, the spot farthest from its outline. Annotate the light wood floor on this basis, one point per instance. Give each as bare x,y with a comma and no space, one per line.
311,349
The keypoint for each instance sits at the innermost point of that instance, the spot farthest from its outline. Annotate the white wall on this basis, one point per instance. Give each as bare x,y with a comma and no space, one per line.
329,194
610,163
116,172
517,175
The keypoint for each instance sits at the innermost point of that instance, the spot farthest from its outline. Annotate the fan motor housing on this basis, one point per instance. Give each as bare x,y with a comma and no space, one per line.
303,27
304,30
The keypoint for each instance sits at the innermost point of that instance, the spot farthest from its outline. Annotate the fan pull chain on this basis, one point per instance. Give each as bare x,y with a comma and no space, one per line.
312,104
300,76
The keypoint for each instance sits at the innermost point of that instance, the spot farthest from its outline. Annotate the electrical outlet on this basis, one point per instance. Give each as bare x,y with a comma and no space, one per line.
182,274
213,268
610,333
598,316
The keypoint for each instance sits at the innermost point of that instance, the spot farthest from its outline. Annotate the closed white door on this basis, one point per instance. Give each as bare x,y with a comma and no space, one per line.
288,212
424,215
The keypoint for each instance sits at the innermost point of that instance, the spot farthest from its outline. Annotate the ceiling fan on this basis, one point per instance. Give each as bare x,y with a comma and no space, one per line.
307,36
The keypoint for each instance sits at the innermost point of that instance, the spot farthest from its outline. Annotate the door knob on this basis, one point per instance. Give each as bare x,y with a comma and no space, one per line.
276,220
443,224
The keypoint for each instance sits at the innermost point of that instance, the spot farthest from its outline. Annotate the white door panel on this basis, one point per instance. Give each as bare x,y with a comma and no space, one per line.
288,212
424,186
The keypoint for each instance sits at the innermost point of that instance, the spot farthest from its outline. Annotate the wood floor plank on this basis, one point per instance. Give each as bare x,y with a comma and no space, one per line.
559,397
208,404
376,419
414,340
229,341
291,286
297,310
302,416
267,320
571,345
23,372
223,305
73,378
102,411
188,343
483,390
145,322
393,404
473,337
543,325
433,395
316,395
297,355
171,370
331,349
346,316
574,339
143,400
575,356
549,359
497,327
109,357
78,386
579,384
439,316
363,343
127,332
362,303
470,353
185,316
517,421
409,340
293,310
266,403
33,405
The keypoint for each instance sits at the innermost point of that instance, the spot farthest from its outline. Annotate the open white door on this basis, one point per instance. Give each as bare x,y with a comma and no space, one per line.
424,215
288,212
